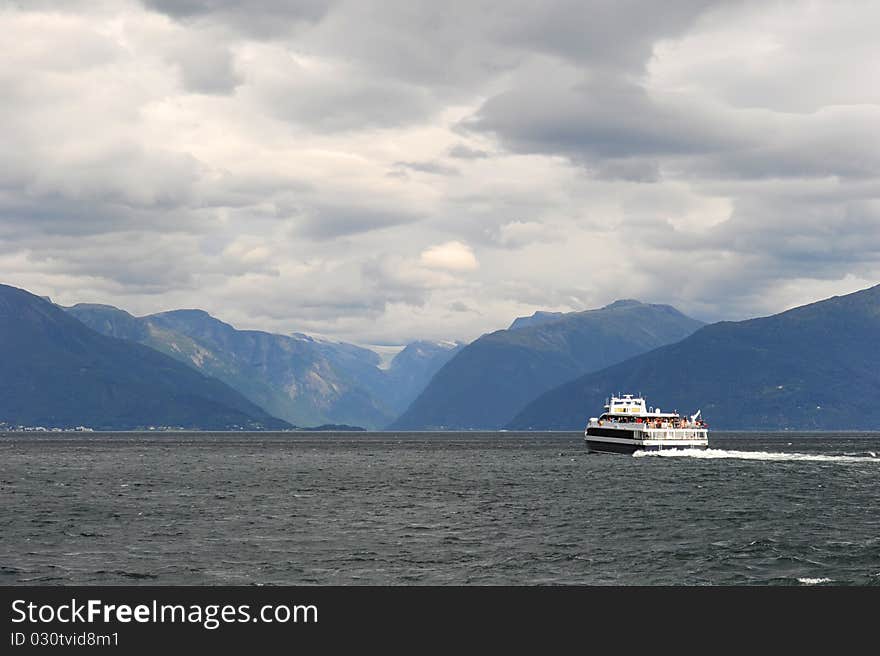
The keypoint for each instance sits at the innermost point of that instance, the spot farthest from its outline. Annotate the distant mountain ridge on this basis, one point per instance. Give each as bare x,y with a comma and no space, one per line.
539,318
815,367
491,379
56,372
301,379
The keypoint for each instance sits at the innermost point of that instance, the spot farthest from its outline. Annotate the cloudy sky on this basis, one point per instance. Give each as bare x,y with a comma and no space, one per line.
383,171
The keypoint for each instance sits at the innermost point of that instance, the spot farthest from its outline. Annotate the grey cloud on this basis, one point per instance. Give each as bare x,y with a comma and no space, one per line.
805,236
601,118
261,18
205,67
842,142
458,46
254,156
313,307
793,57
139,263
541,296
395,279
619,131
342,100
518,234
127,175
112,192
416,42
462,151
406,57
236,190
29,219
507,217
429,167
616,35
382,277
632,169
323,222
736,266
458,306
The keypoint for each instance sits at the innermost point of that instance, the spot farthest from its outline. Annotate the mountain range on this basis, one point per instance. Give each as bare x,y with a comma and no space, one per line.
56,372
301,379
813,367
485,384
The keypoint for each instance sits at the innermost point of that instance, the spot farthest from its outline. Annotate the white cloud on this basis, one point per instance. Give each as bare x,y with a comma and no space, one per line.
517,234
336,167
453,255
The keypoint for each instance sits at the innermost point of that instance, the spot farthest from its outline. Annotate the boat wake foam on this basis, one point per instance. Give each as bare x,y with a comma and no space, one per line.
814,581
758,455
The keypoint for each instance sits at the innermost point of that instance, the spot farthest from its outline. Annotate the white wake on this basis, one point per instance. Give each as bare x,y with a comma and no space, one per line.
757,455
809,581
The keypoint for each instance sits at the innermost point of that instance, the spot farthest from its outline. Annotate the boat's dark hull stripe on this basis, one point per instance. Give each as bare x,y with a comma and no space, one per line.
617,447
613,447
611,432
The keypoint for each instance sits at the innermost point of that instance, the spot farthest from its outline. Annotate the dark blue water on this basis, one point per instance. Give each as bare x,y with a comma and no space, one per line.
500,508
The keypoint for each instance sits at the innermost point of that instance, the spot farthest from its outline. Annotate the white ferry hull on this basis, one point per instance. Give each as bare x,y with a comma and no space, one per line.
631,441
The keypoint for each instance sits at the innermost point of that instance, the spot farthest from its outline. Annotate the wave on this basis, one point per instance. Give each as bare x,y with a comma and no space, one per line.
809,581
870,456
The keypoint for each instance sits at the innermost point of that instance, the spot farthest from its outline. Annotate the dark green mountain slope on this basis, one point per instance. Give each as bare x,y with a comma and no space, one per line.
813,367
488,381
304,380
295,377
412,369
56,372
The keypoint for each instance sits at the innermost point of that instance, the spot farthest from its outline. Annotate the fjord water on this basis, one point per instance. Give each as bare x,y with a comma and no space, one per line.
441,508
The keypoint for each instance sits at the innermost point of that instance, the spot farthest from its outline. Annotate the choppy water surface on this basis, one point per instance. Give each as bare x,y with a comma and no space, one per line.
499,508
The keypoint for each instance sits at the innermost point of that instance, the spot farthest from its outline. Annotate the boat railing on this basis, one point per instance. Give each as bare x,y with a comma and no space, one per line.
651,425
676,433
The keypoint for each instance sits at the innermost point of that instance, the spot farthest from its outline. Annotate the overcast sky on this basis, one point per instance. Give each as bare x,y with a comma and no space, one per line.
383,171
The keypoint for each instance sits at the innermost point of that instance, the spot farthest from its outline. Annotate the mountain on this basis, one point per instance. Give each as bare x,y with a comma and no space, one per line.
490,380
299,378
539,318
810,368
56,372
412,369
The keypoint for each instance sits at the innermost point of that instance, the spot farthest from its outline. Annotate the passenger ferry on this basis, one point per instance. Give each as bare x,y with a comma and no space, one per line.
629,425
